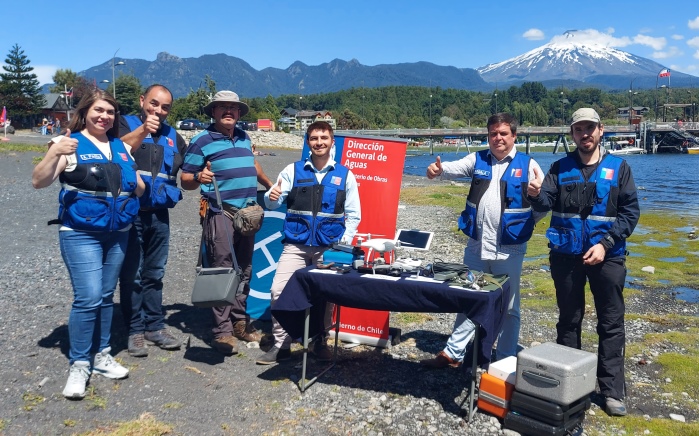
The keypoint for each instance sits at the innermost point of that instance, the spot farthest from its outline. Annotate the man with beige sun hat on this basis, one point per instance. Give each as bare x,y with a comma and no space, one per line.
225,151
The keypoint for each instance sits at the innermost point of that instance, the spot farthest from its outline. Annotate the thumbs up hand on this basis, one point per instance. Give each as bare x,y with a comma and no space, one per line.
66,145
276,191
206,176
152,123
435,168
534,186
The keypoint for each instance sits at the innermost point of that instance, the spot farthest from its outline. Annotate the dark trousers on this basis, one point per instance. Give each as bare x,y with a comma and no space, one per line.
218,253
141,277
607,285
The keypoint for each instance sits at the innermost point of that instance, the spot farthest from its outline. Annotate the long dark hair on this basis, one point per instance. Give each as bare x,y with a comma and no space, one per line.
78,122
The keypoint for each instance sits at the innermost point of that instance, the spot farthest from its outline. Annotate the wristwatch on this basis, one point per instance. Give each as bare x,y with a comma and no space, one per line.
196,176
609,240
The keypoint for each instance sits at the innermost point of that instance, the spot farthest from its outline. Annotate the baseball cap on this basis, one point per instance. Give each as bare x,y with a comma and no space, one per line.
585,114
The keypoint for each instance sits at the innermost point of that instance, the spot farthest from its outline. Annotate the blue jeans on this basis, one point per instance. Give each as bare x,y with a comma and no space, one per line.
464,329
44,130
141,278
93,260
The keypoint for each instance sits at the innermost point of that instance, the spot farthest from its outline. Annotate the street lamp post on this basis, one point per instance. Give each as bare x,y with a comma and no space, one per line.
631,94
363,119
496,102
563,115
564,102
691,105
114,65
430,111
667,96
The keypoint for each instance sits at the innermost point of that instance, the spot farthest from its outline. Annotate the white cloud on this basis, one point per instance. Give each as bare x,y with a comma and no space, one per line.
44,73
688,69
694,42
595,37
696,54
652,42
693,24
533,34
592,36
677,37
671,52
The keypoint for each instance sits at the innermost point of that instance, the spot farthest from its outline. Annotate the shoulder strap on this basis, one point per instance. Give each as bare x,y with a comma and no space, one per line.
228,234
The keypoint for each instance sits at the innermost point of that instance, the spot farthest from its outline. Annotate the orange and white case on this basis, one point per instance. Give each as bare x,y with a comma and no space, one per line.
494,395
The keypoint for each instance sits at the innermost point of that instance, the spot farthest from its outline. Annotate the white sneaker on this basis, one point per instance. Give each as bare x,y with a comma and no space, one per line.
106,366
77,380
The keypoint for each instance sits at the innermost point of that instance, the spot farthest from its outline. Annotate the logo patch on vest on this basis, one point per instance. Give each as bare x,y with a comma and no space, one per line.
516,172
336,180
170,143
484,173
607,174
91,156
124,157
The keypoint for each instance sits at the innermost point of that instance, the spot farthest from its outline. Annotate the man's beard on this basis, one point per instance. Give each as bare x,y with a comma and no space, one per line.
589,151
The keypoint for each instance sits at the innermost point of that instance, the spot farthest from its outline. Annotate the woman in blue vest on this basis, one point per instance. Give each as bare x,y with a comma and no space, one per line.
97,204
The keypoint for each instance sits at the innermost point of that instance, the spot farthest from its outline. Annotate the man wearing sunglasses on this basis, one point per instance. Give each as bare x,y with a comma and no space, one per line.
595,208
158,151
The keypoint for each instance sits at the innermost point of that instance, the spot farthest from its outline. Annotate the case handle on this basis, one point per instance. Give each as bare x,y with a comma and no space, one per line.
541,378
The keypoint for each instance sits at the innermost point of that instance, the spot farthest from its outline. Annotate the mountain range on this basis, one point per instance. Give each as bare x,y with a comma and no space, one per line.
568,64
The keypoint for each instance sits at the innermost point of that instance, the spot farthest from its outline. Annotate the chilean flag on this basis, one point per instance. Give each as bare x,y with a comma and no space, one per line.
607,174
664,73
3,116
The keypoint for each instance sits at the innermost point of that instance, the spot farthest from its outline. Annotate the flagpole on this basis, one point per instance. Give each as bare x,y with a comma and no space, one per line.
657,76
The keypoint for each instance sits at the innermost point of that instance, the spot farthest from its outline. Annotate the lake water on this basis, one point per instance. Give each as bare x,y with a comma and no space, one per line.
668,182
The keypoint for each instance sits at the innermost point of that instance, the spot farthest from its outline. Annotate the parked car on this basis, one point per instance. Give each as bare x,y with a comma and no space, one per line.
243,125
191,124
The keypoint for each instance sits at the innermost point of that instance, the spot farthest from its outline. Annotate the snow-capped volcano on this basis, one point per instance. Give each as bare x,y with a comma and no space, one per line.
569,60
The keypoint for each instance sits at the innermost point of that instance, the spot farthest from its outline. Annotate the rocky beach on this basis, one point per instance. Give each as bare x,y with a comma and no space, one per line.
196,391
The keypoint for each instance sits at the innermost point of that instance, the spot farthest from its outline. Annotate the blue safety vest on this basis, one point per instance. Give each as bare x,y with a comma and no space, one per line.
572,234
315,214
517,219
158,164
99,194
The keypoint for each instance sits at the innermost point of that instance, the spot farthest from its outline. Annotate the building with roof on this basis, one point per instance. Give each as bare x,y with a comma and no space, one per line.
300,119
56,107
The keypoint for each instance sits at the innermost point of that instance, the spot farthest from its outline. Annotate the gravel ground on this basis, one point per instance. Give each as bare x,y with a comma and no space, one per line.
198,391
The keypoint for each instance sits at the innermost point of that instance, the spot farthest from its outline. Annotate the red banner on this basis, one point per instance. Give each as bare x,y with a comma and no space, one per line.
377,164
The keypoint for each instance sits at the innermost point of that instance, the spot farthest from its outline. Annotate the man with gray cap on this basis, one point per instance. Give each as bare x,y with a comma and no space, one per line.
595,208
225,151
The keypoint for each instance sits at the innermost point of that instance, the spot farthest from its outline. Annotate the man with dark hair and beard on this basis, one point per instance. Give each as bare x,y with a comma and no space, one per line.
595,208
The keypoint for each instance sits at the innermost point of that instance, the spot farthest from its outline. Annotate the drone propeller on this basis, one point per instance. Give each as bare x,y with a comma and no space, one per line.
368,235
381,245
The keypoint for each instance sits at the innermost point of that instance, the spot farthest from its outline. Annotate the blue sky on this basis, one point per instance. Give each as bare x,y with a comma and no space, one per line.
460,33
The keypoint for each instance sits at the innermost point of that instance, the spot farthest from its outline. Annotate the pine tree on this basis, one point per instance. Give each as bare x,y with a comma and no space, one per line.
19,87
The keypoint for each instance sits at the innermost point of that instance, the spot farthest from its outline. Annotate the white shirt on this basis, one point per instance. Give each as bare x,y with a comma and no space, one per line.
72,160
489,208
